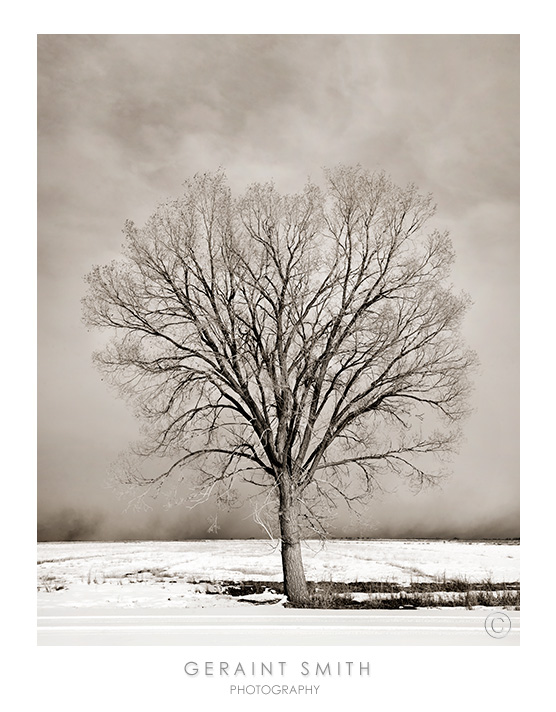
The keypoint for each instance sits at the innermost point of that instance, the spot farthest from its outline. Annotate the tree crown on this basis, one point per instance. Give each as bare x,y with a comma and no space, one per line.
299,342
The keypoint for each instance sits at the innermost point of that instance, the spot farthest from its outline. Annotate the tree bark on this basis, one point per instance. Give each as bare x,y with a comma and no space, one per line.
295,584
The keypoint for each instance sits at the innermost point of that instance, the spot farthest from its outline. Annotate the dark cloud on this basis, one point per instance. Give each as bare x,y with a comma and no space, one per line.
68,524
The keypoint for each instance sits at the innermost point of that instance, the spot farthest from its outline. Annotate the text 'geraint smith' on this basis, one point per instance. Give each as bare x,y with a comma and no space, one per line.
222,668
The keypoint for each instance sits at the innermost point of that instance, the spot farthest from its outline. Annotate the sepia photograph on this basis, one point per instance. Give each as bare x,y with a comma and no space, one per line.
278,346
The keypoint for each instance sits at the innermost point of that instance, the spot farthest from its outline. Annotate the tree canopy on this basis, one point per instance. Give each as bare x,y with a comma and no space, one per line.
301,343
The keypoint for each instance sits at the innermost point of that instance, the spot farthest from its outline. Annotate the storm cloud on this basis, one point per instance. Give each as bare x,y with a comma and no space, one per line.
125,119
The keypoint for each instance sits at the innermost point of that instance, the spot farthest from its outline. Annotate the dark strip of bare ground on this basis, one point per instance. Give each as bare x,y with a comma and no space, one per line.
247,588
386,595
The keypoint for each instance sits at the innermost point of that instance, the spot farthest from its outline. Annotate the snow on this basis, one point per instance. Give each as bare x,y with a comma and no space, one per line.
180,573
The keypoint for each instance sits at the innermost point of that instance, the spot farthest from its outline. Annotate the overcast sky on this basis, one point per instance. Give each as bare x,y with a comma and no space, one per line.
124,119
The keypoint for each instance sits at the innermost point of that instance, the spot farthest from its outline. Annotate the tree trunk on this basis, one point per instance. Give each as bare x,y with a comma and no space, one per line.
295,585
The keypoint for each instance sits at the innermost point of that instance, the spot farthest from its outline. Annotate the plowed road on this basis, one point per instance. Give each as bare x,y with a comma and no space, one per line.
263,626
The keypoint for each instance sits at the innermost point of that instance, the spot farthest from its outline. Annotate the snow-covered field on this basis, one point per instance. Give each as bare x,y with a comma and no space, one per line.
182,574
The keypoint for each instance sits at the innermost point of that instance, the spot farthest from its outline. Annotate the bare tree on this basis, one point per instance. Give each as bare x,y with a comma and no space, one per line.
301,343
